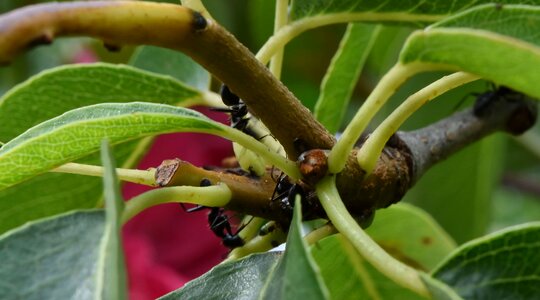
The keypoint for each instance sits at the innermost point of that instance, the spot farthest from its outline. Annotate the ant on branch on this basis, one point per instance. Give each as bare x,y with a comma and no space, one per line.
496,93
486,99
220,225
285,192
237,109
219,222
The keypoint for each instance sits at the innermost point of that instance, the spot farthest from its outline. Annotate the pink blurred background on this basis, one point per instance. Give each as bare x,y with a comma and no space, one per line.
166,247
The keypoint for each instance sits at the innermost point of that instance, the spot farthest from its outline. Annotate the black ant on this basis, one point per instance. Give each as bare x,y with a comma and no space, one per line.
494,94
219,222
237,109
285,192
220,225
484,100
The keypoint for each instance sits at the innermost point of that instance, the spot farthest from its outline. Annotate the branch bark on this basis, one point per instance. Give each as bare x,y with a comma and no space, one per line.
406,157
171,26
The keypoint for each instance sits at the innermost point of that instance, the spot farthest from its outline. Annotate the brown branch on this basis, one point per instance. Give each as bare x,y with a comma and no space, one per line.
406,157
251,195
171,26
434,143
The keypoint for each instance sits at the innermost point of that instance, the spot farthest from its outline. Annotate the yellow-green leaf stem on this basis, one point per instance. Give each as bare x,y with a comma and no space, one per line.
320,233
211,99
388,84
211,196
251,226
280,20
258,244
145,177
278,41
287,166
198,6
400,273
369,153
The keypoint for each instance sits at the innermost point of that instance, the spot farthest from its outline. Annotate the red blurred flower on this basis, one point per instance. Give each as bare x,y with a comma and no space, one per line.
166,247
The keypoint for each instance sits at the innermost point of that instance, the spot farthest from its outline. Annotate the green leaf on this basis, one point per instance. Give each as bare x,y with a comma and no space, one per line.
112,270
396,10
241,279
502,265
54,258
54,92
411,235
172,63
296,276
499,43
439,290
79,132
348,276
343,73
41,197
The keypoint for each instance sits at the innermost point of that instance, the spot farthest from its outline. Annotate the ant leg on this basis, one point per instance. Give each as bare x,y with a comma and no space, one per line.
462,100
278,188
219,222
225,110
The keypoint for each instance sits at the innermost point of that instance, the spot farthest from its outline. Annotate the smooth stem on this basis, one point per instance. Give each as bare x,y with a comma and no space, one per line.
320,233
258,244
198,6
251,226
280,21
211,196
272,158
400,273
145,177
289,32
371,150
386,87
211,99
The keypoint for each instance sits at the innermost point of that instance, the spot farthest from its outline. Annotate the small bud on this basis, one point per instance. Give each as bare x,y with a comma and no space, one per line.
199,22
313,165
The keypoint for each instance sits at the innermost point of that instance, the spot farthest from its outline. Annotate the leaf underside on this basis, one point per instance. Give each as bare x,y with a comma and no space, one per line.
503,265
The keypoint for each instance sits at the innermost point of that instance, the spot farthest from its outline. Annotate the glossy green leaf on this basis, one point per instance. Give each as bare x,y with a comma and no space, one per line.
172,63
396,10
296,276
411,235
348,276
241,279
502,265
112,270
54,92
54,258
79,132
499,43
343,73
